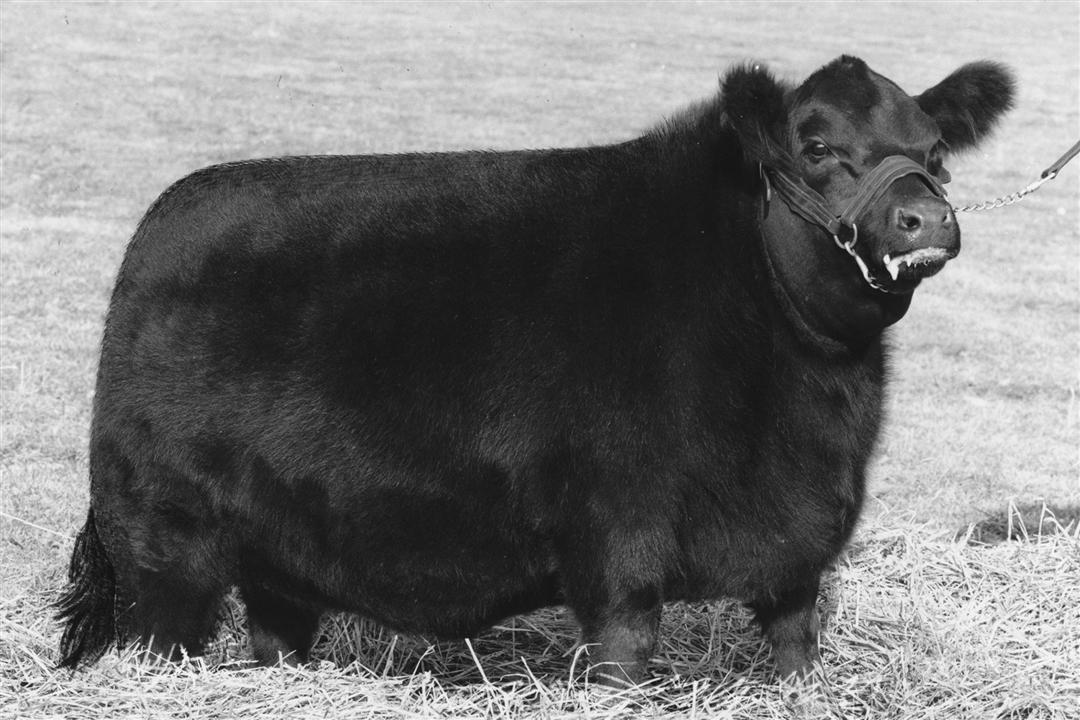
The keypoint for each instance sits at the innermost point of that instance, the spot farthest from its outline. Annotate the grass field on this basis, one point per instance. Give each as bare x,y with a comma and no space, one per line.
104,105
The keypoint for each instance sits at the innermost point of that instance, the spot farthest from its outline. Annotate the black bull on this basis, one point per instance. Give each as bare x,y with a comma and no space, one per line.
441,389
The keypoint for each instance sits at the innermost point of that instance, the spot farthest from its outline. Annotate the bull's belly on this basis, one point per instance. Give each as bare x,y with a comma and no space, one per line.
420,563
456,609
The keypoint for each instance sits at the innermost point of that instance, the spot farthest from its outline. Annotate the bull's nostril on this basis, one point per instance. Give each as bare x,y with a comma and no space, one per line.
907,220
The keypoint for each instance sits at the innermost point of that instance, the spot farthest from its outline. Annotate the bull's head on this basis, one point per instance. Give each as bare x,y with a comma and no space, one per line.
854,157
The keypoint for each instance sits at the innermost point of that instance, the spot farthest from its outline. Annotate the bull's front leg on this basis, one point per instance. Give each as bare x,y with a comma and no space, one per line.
790,622
620,634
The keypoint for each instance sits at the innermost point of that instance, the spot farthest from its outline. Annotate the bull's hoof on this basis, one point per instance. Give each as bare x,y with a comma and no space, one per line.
808,696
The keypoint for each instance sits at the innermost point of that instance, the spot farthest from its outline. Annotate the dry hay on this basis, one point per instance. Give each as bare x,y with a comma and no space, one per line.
916,626
1022,522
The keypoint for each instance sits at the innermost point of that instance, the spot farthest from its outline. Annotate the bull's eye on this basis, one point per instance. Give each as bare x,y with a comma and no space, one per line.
935,162
936,167
817,151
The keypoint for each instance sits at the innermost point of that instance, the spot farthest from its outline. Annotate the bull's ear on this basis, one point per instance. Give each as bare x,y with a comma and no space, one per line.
755,109
968,103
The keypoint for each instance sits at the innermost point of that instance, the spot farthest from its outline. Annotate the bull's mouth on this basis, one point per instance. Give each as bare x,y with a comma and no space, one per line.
917,264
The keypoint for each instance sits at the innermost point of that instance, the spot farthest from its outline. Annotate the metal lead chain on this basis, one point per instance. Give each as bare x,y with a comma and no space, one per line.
1006,200
1047,175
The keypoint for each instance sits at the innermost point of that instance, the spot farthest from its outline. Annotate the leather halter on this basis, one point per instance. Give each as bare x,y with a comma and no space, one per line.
809,204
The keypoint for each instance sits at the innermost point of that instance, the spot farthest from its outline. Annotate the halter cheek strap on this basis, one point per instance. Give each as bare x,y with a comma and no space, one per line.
809,204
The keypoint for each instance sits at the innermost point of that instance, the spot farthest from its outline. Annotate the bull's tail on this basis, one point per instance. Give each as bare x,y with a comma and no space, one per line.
88,606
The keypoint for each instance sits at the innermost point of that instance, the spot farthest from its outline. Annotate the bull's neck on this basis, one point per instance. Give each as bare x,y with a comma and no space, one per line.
819,288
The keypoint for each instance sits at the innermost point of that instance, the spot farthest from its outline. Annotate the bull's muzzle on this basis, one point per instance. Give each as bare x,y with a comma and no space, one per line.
923,236
925,230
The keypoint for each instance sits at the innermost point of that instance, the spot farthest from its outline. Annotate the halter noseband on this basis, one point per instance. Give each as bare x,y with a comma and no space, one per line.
808,203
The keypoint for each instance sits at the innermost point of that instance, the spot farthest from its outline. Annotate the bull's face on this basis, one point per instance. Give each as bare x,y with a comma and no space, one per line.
872,156
844,121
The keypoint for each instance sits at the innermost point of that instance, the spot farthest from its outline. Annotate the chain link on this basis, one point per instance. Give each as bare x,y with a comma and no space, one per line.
1047,175
1007,199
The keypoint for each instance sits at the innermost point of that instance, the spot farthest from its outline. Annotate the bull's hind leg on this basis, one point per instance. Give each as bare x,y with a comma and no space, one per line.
169,589
170,586
171,613
171,559
281,630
